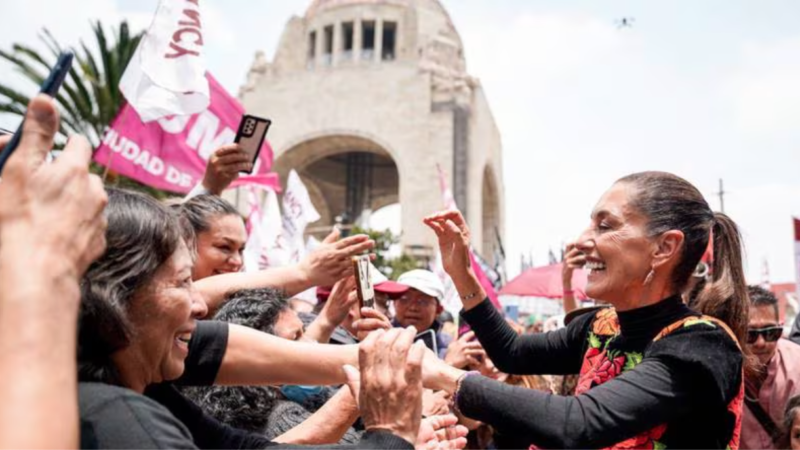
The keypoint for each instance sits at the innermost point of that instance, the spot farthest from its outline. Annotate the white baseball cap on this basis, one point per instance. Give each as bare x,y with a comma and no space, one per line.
424,281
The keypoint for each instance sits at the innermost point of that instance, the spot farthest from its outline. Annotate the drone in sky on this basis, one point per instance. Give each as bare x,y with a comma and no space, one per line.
625,22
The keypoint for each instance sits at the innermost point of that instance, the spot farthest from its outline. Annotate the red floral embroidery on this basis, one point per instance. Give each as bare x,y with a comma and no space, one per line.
648,440
606,323
600,365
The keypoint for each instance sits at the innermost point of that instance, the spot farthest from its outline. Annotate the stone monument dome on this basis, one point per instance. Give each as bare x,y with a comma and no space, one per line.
367,98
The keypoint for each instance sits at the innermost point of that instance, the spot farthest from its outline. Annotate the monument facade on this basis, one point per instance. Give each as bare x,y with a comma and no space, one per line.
367,98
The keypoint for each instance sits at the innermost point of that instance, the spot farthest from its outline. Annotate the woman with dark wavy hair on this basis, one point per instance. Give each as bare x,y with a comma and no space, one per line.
653,372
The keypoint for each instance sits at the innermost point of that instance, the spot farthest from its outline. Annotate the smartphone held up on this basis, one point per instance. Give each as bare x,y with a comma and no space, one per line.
364,287
251,135
50,87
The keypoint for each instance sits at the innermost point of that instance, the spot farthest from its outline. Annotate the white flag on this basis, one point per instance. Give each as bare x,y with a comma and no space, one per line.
166,75
298,212
261,250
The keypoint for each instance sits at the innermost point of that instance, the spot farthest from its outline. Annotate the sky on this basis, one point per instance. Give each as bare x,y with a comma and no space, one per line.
707,90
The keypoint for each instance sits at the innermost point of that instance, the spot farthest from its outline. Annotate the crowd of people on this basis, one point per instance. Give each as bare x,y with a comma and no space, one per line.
127,322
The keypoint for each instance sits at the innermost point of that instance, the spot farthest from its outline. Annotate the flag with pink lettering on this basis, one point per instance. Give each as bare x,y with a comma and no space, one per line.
166,74
171,153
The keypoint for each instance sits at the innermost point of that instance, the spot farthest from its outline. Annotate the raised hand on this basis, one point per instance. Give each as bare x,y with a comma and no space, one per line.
454,241
370,320
343,297
223,167
464,350
454,244
573,259
53,209
51,228
330,262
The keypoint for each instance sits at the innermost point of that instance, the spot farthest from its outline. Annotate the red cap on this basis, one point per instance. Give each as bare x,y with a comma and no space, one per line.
391,288
323,292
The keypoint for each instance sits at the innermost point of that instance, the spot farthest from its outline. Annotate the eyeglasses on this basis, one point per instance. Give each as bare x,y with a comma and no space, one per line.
419,301
770,334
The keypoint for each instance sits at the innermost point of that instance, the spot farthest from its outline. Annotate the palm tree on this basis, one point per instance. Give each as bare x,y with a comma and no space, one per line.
90,97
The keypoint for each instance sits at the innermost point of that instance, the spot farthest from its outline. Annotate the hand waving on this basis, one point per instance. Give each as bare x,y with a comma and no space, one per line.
454,242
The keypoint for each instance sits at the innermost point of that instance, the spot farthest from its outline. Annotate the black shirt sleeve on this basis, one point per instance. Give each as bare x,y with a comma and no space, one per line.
558,352
691,368
206,350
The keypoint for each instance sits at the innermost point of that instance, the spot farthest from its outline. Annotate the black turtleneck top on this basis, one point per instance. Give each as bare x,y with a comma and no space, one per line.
685,380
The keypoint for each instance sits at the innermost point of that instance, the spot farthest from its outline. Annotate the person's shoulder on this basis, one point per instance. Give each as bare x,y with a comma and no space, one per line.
790,356
121,418
704,353
696,335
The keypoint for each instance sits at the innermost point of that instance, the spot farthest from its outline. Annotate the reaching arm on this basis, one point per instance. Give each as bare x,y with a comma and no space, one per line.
326,265
256,358
328,424
51,228
343,297
557,352
669,383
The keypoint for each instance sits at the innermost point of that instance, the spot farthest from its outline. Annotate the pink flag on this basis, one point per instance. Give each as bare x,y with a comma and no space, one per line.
171,153
450,203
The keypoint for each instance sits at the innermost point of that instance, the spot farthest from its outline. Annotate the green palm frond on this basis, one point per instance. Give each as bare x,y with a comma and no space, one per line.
90,97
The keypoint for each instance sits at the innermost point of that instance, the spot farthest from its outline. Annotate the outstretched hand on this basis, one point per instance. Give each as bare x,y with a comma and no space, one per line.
343,297
331,261
390,382
454,242
441,433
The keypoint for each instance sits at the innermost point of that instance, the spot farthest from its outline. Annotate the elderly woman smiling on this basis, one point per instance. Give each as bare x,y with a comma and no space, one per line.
139,332
653,372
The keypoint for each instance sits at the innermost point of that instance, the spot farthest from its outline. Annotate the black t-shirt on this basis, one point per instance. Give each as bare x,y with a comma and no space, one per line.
114,417
685,380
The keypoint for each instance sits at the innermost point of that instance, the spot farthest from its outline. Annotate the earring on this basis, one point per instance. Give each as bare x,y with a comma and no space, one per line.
649,277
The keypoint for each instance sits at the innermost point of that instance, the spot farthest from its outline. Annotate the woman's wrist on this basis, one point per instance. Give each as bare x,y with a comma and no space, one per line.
447,379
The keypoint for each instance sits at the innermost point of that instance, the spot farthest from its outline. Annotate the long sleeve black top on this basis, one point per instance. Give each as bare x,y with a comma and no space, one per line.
685,380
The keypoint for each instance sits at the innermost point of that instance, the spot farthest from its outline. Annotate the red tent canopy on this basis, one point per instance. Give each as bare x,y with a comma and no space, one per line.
545,282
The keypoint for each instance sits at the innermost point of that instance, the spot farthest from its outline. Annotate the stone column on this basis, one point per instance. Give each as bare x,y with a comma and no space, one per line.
358,41
378,39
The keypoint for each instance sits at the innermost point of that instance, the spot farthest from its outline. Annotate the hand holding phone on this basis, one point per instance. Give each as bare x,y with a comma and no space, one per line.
251,134
364,288
50,87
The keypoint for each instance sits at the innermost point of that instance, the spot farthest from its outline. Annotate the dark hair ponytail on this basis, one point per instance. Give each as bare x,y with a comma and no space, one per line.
724,295
671,203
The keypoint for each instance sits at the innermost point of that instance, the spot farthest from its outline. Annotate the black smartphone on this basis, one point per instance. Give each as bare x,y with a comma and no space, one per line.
251,134
429,338
50,87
